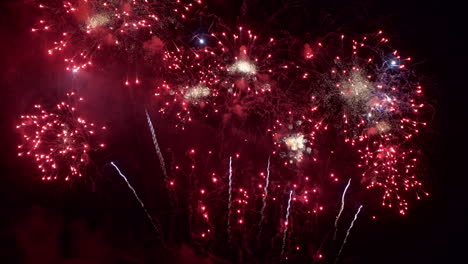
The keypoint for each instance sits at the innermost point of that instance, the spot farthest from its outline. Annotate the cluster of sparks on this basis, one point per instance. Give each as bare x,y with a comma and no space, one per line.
295,137
381,117
364,97
82,29
59,141
231,77
296,144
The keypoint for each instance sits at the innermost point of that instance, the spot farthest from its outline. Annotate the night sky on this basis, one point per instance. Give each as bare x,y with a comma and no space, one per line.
98,221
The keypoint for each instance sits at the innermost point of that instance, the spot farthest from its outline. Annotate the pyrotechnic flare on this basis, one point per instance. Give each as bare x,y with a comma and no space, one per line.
60,141
243,67
191,85
247,56
161,160
158,150
264,200
83,29
241,82
393,169
196,93
381,104
286,224
296,144
138,199
295,134
230,199
248,74
232,79
347,233
341,208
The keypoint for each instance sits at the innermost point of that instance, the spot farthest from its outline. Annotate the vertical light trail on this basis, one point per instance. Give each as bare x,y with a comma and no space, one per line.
265,192
341,209
230,199
138,198
286,224
347,233
158,150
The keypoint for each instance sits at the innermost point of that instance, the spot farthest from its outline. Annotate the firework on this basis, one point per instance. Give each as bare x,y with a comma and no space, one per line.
250,71
295,137
341,208
232,77
193,89
347,232
158,150
242,67
372,90
196,93
265,197
230,198
138,199
83,30
394,170
59,141
296,144
286,223
357,98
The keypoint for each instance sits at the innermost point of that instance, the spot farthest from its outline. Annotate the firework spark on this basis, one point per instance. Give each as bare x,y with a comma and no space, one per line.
138,199
381,103
197,93
193,87
158,150
83,29
60,141
230,198
265,197
296,144
393,169
341,208
248,91
347,232
286,223
243,67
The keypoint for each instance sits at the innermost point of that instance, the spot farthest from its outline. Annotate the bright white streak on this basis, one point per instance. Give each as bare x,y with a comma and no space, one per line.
265,191
158,150
286,223
230,198
138,198
342,207
347,233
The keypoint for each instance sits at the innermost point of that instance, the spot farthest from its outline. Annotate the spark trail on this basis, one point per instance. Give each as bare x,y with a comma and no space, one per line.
286,224
347,233
265,191
138,198
230,199
341,209
158,150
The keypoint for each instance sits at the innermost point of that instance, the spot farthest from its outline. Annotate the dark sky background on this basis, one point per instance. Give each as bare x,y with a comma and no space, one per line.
39,224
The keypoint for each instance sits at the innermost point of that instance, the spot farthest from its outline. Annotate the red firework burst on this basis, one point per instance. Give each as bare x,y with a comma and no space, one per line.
82,29
60,141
